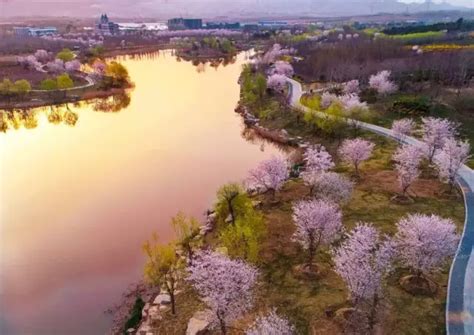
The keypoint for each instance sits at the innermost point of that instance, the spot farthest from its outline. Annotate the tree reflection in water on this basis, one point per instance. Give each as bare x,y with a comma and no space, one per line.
59,114
113,104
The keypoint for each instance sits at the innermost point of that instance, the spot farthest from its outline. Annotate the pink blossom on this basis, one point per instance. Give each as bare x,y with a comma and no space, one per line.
73,66
276,81
381,83
435,133
318,159
352,101
356,151
225,285
56,66
99,68
425,242
271,324
327,99
269,175
318,223
283,68
351,87
42,55
402,128
450,159
330,186
363,261
407,162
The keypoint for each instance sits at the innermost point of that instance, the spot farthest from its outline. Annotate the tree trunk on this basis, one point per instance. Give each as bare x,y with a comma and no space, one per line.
231,211
222,324
311,250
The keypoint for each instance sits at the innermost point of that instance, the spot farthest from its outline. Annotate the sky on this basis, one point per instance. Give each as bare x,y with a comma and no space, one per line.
210,8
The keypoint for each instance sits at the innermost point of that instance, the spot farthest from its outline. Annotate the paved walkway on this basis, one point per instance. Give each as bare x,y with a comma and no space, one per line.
460,301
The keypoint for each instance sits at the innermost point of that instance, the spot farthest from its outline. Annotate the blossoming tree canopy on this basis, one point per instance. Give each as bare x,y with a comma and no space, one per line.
363,260
318,222
407,162
271,324
269,175
276,81
316,158
403,127
425,242
226,286
381,83
435,133
450,159
356,151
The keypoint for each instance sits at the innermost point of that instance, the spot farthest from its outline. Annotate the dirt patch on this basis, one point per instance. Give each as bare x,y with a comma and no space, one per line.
418,285
388,181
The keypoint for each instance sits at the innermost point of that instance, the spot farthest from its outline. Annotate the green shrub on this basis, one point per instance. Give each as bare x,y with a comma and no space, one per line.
411,105
135,315
65,55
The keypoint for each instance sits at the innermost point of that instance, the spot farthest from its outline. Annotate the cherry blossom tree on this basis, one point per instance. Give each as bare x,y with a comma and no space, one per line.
407,162
73,66
42,55
225,285
381,83
271,324
351,87
425,242
269,175
276,81
451,158
99,68
56,66
317,158
329,185
356,151
435,133
318,223
352,101
402,128
363,261
327,99
283,68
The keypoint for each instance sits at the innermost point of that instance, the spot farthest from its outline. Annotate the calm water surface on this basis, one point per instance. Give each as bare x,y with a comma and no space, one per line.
78,202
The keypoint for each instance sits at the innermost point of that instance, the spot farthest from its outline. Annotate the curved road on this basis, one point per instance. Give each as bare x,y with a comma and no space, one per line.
460,301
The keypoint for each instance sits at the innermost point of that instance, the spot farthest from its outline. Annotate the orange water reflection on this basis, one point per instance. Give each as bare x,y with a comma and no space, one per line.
77,202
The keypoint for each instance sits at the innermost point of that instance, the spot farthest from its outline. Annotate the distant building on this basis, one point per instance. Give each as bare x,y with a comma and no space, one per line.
180,24
106,27
272,24
222,25
28,31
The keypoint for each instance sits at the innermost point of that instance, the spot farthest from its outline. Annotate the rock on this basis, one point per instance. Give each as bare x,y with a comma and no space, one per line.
144,328
154,313
163,307
162,299
199,323
284,132
130,330
228,219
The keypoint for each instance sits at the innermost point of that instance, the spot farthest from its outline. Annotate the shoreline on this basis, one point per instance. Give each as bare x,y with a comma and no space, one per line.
86,96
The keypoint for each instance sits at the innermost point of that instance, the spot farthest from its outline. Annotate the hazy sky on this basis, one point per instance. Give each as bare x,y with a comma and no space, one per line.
208,8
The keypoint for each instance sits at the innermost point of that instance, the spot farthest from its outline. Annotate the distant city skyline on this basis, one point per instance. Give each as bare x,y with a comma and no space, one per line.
215,8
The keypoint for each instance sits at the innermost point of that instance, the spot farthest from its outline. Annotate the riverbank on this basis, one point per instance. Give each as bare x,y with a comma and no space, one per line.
312,304
55,98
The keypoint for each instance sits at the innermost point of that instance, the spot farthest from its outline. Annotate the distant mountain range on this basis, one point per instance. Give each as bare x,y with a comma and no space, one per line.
211,8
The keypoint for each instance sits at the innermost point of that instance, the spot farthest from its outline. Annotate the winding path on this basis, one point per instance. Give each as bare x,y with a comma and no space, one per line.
460,301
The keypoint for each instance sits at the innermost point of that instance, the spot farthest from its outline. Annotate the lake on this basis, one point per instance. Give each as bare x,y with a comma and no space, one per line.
79,201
